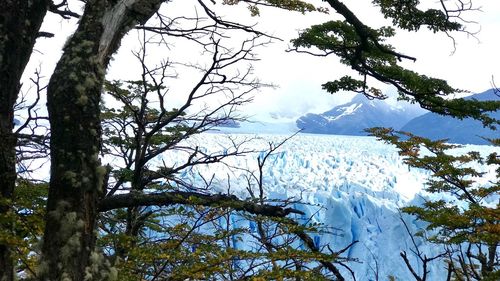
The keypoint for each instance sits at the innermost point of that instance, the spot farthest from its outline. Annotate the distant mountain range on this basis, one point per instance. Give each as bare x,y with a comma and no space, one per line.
360,113
353,117
467,131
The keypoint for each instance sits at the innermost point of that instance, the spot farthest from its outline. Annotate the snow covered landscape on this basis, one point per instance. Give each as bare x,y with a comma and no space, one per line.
353,185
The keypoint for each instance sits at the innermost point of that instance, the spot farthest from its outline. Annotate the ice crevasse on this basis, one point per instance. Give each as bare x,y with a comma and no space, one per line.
353,185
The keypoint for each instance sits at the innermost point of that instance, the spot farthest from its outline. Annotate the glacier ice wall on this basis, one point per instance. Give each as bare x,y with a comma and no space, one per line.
353,185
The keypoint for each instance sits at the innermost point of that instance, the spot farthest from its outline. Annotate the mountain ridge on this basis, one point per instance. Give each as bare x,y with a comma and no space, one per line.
353,117
466,131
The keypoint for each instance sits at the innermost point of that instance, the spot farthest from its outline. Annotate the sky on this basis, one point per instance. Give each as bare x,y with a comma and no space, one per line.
298,77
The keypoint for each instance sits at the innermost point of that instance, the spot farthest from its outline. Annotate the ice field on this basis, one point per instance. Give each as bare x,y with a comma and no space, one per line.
352,184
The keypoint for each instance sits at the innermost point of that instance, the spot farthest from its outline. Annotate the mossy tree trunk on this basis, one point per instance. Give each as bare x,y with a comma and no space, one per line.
20,21
74,94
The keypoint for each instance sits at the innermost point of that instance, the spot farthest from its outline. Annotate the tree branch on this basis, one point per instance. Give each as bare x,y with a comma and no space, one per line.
63,10
135,199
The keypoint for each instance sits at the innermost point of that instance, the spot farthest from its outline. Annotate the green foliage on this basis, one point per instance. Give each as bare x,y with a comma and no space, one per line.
291,5
347,83
406,15
198,243
472,216
367,54
27,211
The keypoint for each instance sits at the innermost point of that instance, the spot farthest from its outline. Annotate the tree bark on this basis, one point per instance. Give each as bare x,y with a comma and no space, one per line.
20,23
73,96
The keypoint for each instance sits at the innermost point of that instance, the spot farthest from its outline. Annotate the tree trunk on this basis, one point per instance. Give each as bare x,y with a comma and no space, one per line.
76,183
20,23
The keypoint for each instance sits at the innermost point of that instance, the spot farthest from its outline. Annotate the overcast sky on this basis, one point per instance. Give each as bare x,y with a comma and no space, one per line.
299,76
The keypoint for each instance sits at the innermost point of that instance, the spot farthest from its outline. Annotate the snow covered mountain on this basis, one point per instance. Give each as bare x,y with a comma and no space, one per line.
353,117
353,185
467,131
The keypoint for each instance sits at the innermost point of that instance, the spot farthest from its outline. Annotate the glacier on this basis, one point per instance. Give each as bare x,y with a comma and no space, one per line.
354,185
